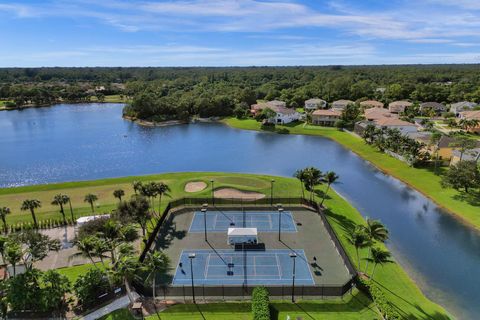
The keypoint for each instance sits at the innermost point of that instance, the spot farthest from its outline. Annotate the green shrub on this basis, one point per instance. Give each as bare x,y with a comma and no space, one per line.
283,131
387,310
260,304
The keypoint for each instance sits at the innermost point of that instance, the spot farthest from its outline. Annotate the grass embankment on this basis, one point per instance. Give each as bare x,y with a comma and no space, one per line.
423,179
399,288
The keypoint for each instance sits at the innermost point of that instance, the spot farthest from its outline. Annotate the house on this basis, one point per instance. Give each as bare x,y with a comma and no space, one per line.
438,108
398,106
371,104
471,115
313,104
424,137
461,106
258,107
395,123
377,113
445,146
283,114
326,117
360,126
340,105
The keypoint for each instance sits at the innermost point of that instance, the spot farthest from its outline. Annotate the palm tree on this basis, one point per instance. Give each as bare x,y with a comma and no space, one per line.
330,177
126,268
3,215
156,262
60,200
375,231
161,189
119,193
312,178
300,175
359,240
379,256
13,254
31,204
137,186
70,205
100,247
90,198
86,247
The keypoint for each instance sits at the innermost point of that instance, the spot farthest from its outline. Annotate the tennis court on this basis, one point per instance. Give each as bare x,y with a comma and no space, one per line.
264,221
229,267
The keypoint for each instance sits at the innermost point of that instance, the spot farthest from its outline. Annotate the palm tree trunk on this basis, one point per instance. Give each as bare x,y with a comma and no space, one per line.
63,214
358,259
5,225
368,257
34,217
127,288
159,203
153,289
325,194
91,205
14,269
71,210
373,272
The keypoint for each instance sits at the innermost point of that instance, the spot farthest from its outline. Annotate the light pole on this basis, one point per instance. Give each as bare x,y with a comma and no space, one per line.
271,192
191,256
204,211
213,194
293,256
280,211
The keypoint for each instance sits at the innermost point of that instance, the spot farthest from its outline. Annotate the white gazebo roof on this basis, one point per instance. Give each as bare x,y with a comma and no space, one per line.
242,232
86,219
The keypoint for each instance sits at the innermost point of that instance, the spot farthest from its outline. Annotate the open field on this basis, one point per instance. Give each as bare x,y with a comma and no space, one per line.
114,98
401,290
422,179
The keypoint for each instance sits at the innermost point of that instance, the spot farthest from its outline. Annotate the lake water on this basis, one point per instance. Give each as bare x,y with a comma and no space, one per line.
80,142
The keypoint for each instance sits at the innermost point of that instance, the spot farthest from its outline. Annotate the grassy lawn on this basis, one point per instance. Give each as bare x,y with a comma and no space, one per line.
351,307
72,273
424,180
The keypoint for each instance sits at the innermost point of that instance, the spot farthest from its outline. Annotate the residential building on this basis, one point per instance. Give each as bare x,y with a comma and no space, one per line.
340,105
471,115
314,104
326,117
377,113
283,114
395,123
371,104
438,108
446,145
462,106
398,106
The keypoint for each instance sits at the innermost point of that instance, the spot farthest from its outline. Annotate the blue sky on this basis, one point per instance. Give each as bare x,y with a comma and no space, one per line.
237,32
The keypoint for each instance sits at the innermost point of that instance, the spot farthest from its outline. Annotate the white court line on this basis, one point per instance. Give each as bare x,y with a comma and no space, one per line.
278,266
207,264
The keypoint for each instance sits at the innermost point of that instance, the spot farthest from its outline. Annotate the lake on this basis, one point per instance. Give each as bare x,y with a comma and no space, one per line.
92,141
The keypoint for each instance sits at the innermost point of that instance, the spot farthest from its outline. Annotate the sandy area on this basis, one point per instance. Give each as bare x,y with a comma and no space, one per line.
195,186
230,193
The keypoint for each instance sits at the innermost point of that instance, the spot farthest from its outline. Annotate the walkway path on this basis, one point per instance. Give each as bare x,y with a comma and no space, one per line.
119,303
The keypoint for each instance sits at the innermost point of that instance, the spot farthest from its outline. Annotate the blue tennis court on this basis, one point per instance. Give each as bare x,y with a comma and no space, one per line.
264,221
229,267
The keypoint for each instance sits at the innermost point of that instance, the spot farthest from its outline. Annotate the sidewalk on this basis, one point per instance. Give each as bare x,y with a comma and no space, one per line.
119,303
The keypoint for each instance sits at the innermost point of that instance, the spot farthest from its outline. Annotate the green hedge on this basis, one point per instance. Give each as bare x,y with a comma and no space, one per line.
260,304
387,310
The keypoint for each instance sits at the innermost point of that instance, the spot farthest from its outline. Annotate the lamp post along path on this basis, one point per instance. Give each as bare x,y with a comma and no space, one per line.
191,256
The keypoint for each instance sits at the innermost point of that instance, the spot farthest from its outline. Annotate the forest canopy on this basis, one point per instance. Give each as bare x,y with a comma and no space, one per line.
179,93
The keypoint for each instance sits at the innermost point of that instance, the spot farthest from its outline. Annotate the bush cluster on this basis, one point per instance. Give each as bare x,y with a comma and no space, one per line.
260,304
385,307
42,224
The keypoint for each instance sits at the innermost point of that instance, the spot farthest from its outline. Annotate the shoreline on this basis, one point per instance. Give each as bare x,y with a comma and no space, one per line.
33,106
385,171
